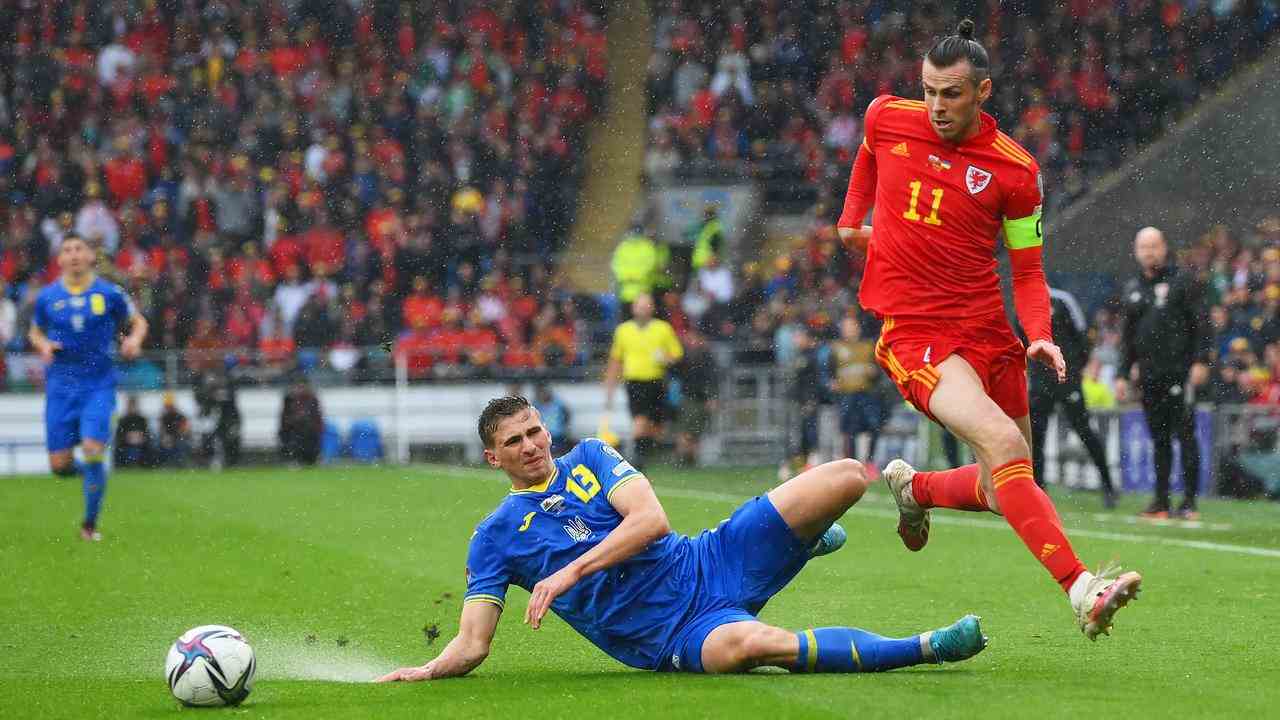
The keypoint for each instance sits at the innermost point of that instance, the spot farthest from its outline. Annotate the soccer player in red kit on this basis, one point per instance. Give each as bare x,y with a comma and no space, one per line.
944,182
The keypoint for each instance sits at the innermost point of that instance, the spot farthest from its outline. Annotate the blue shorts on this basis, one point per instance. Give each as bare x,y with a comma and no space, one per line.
740,564
75,414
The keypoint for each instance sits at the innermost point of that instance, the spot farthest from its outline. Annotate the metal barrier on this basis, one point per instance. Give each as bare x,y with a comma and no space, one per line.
755,422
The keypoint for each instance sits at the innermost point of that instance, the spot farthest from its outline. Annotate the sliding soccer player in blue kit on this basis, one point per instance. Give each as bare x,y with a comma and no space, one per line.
586,536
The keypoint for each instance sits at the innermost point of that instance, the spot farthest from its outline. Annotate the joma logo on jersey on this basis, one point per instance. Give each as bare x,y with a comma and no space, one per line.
577,529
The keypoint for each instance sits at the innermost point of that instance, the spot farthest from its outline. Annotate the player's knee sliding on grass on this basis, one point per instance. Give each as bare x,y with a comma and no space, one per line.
585,534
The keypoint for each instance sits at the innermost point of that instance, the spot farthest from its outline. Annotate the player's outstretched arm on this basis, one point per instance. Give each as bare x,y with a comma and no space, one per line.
132,345
643,521
858,200
464,653
42,344
612,372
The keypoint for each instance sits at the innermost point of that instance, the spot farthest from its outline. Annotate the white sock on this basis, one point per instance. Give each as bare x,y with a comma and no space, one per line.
1076,593
926,649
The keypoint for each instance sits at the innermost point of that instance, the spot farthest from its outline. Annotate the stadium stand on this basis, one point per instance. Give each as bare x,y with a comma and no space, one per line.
776,90
376,171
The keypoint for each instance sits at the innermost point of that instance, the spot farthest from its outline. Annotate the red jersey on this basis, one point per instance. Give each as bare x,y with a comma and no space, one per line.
939,207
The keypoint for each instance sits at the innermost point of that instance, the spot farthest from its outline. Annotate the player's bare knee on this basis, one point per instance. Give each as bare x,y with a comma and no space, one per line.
62,468
760,645
1004,442
852,479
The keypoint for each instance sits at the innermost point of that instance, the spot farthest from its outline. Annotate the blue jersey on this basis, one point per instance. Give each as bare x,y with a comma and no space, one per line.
85,323
631,610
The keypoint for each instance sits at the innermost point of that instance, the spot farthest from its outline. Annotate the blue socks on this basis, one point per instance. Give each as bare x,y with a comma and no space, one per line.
95,486
850,650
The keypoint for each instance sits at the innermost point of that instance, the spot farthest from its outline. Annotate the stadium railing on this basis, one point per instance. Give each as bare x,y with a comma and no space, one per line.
754,421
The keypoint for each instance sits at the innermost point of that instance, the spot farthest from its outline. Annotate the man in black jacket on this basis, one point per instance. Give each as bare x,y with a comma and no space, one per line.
1166,352
1070,331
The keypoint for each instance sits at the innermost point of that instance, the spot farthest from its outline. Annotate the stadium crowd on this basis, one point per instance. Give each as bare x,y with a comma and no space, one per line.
403,174
777,90
264,176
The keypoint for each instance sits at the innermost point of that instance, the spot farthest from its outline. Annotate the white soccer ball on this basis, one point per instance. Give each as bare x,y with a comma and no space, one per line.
210,665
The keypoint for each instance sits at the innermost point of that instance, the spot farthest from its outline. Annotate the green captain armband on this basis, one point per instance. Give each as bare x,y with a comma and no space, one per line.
1024,232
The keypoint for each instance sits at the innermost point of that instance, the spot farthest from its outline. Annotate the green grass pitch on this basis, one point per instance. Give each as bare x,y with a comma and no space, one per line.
333,574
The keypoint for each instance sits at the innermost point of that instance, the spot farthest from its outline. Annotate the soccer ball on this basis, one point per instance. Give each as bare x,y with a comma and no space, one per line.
210,665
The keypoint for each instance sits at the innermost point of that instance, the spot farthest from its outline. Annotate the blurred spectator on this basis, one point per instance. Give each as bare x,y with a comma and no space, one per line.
716,280
1097,393
698,392
133,446
635,265
556,418
206,348
218,418
807,392
8,327
173,447
853,377
708,238
301,423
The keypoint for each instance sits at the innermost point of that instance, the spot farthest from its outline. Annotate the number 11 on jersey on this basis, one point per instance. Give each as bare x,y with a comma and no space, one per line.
911,214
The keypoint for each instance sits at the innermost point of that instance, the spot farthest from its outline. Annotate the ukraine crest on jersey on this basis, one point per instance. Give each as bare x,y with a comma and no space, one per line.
630,610
85,322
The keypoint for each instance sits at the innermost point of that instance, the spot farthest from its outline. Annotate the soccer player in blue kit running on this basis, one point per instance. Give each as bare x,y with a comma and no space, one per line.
586,536
73,329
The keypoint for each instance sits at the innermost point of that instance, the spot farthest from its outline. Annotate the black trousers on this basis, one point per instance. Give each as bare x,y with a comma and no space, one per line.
1169,416
1045,398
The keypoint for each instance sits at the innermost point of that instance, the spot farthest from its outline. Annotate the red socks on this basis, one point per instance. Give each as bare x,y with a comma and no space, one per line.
958,489
1024,505
1030,513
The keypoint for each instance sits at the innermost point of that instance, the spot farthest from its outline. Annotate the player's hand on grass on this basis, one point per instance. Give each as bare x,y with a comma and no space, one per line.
1045,352
130,348
47,349
407,674
545,592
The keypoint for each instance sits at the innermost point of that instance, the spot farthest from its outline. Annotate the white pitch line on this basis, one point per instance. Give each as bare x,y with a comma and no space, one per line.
996,525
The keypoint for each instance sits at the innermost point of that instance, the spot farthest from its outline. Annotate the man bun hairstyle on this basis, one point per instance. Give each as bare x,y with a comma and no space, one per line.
959,47
497,409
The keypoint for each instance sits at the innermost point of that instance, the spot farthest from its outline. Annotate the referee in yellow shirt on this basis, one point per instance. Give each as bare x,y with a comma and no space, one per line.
643,349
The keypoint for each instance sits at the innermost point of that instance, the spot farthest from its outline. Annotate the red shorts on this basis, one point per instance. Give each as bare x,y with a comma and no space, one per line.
910,349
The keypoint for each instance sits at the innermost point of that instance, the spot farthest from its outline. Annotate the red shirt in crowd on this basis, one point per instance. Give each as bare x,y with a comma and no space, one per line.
325,244
126,178
422,311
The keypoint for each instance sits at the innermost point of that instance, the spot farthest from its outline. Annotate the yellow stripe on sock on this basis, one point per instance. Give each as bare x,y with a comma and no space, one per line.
857,659
1008,470
811,661
1008,479
94,458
